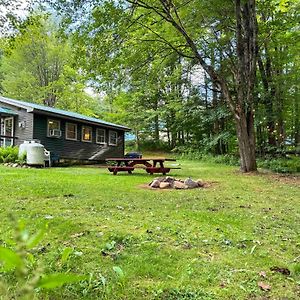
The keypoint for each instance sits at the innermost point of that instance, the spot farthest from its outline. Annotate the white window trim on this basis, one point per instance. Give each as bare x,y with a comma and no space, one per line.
12,130
59,128
109,142
101,143
85,141
76,132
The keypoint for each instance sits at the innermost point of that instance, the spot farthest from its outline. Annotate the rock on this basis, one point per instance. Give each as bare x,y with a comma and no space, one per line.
160,179
169,179
191,184
200,183
164,185
15,165
179,185
155,184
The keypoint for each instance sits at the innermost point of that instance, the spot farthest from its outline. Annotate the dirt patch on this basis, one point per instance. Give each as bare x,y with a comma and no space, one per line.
291,179
286,179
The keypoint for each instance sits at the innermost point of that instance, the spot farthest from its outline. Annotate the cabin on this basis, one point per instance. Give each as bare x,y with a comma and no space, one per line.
67,135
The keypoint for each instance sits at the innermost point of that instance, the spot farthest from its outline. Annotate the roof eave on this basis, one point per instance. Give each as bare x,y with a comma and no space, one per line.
30,109
42,112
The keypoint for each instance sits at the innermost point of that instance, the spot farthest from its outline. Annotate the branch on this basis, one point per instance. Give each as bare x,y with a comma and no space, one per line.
162,39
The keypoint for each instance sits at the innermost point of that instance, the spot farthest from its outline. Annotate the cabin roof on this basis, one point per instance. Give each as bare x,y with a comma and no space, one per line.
7,111
33,107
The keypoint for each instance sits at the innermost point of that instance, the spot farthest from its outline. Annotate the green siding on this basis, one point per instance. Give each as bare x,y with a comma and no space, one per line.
76,149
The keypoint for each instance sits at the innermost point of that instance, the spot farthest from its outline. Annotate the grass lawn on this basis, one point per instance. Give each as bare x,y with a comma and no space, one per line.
213,243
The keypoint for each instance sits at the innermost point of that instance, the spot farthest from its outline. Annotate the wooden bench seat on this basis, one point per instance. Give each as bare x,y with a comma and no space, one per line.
152,170
116,169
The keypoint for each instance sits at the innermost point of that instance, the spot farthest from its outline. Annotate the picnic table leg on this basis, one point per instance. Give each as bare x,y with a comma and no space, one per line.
162,167
128,165
115,170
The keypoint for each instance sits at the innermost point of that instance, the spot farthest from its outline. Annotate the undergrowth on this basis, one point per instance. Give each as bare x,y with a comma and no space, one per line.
9,154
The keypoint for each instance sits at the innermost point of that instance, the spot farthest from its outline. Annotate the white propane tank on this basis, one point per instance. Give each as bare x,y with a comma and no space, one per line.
23,148
35,154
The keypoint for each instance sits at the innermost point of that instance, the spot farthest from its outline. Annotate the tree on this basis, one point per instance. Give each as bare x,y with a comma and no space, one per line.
124,46
277,61
237,91
38,66
10,14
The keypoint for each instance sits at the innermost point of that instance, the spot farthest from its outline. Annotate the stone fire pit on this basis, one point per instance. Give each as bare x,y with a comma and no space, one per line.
173,183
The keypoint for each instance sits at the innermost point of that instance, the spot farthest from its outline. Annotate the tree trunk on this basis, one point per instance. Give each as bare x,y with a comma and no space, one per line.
137,139
156,130
246,38
246,141
297,120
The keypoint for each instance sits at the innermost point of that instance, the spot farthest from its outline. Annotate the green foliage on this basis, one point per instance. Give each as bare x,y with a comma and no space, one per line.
39,66
57,280
146,74
119,272
152,82
22,159
226,159
281,165
22,264
9,154
10,260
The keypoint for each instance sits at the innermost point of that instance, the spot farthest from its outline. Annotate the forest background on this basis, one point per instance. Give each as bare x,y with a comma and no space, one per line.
196,78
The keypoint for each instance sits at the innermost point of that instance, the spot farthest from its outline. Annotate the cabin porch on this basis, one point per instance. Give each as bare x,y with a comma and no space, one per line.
7,127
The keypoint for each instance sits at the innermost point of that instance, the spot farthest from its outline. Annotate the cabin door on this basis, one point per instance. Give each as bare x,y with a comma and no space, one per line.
7,130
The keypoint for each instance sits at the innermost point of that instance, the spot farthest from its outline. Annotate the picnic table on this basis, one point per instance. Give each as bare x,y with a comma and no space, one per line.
151,165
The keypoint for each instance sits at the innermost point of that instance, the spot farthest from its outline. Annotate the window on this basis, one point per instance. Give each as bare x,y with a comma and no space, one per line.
100,136
71,131
113,138
53,128
86,134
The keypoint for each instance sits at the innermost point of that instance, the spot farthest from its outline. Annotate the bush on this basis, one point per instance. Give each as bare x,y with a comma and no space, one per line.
9,154
227,159
147,145
281,165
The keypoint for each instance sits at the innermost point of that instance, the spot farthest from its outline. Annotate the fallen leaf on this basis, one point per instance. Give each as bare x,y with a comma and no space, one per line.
262,274
264,286
283,271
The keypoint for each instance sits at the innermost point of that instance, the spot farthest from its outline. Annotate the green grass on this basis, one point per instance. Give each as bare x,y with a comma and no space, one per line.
198,244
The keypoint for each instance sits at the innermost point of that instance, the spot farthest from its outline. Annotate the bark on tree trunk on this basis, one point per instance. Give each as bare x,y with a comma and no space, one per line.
137,139
246,141
156,130
246,38
297,120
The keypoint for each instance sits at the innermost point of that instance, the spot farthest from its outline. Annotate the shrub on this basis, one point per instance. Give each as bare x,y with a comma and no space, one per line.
281,165
227,159
9,154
